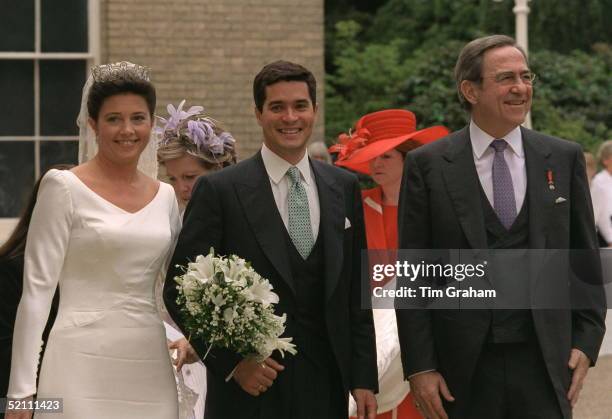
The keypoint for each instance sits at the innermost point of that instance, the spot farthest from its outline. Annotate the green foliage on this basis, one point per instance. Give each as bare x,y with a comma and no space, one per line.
573,97
569,25
367,79
434,21
555,25
429,91
359,11
373,77
554,121
402,55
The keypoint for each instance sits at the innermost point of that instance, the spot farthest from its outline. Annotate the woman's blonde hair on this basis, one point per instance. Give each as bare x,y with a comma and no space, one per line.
604,152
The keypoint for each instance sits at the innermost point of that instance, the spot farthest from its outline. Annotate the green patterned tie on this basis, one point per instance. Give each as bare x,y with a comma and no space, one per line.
300,229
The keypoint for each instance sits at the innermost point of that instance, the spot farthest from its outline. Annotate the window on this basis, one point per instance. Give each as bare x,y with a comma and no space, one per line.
46,50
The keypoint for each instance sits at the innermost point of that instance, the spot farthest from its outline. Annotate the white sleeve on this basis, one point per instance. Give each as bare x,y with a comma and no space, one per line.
47,240
602,205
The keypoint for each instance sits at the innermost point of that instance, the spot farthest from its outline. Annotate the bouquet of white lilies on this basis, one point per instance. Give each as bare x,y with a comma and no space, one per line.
229,305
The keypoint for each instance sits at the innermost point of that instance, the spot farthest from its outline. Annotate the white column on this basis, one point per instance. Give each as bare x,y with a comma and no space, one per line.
521,12
93,24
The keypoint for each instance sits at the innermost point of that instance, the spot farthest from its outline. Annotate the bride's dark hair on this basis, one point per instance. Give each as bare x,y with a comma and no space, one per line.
102,90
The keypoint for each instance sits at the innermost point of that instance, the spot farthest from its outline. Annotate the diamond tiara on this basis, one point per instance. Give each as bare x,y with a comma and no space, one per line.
116,71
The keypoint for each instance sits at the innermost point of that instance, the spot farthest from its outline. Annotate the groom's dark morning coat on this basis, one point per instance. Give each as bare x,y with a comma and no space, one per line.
234,212
440,208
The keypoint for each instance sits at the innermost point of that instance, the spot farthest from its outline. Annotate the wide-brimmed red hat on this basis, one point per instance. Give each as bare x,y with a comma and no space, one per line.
378,132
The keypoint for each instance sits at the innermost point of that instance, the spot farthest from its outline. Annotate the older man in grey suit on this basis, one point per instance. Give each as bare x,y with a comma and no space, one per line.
488,186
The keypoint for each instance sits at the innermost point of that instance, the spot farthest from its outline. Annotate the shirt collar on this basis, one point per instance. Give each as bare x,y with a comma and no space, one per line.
277,167
481,140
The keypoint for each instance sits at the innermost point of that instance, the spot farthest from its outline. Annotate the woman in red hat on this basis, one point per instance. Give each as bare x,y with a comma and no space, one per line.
377,148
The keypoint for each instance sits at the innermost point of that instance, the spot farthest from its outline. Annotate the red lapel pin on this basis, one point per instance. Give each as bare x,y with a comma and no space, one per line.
550,179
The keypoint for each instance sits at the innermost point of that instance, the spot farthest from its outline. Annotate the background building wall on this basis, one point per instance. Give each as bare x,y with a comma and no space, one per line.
208,51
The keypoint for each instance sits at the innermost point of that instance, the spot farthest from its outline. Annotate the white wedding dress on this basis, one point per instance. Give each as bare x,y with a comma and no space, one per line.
106,356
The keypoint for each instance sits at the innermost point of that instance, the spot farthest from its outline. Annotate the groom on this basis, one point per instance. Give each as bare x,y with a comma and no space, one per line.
300,223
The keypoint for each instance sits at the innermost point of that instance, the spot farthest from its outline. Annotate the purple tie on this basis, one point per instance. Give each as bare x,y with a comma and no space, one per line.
503,190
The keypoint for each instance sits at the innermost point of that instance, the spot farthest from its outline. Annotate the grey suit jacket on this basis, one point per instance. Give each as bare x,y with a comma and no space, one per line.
440,208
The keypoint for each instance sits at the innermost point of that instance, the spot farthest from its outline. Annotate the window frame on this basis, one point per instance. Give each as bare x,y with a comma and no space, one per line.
92,57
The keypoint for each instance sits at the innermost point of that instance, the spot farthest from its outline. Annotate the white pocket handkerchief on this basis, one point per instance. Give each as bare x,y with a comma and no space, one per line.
560,200
347,223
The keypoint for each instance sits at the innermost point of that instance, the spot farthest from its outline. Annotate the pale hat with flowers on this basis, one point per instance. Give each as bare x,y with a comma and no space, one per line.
201,135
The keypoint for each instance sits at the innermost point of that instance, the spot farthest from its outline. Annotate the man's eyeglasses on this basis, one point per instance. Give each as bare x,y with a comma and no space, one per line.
509,78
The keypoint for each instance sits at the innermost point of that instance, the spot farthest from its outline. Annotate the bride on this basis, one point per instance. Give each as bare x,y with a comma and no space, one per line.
103,231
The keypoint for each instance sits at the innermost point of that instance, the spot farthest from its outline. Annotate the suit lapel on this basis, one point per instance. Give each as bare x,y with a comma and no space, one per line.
257,200
373,217
463,187
331,226
537,163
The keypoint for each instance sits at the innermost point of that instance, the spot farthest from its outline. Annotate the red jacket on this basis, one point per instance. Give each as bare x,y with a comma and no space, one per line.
373,216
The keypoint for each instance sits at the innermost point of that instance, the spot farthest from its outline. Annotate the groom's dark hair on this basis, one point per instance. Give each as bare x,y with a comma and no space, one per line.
282,71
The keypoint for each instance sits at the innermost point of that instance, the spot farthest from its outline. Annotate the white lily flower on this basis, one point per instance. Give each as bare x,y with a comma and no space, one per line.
204,266
284,345
218,300
229,314
190,286
261,292
237,268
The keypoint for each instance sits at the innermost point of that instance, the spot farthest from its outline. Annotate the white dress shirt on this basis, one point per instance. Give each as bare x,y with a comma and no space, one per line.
515,158
277,168
602,180
601,194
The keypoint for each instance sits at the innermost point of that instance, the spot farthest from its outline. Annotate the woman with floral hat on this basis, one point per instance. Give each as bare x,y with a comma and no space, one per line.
377,147
191,144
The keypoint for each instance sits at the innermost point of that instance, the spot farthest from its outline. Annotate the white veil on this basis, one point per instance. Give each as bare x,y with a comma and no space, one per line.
88,145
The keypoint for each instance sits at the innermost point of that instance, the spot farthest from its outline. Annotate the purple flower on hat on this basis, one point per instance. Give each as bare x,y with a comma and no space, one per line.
216,145
208,128
227,139
192,125
178,114
196,133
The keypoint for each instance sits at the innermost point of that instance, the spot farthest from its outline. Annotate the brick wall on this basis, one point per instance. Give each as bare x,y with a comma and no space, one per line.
208,51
